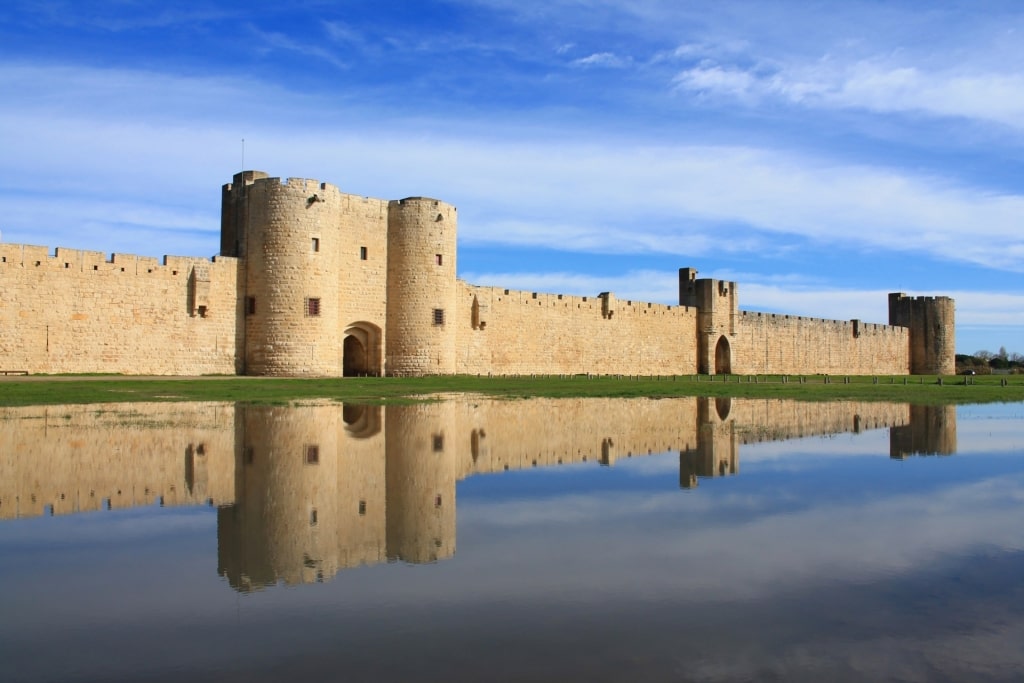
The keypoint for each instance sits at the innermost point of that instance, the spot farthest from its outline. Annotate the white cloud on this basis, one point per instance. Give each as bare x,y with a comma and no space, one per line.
872,85
141,154
618,194
717,80
602,59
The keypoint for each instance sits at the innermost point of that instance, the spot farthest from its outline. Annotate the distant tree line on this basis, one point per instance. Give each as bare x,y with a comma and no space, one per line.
986,362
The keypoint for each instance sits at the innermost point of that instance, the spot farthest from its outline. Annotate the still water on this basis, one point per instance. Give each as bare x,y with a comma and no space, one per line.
490,540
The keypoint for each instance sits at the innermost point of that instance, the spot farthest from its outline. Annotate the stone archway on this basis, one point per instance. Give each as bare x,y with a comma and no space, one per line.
723,357
361,350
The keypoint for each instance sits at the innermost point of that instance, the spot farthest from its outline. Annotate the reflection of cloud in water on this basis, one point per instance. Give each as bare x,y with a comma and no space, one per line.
136,524
667,541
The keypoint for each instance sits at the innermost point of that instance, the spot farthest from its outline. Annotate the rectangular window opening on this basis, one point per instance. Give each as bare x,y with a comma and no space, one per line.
439,316
250,305
312,455
312,517
438,443
437,259
362,508
362,253
312,307
316,244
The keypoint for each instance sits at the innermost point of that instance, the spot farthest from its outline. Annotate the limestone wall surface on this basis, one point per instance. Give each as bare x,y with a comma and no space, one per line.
509,332
775,343
78,312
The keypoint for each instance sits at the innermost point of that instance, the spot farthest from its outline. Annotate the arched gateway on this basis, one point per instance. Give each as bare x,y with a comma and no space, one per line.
723,357
361,350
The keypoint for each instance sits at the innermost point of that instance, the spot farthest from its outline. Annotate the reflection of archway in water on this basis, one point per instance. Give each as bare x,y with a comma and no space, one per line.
722,406
361,422
723,359
361,350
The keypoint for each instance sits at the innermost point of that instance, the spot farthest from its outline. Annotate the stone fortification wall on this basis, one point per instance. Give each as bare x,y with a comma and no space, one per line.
68,459
420,335
362,272
292,250
776,343
315,263
930,320
316,282
508,332
76,312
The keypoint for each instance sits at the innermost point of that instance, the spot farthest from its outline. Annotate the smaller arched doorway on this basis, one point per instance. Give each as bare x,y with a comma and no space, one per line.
723,357
361,350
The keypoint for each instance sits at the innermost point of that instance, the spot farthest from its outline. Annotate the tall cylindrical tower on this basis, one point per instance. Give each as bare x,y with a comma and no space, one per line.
421,287
930,321
234,212
291,293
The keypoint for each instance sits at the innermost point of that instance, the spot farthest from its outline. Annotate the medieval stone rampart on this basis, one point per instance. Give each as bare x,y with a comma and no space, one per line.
510,332
316,282
77,312
776,343
930,321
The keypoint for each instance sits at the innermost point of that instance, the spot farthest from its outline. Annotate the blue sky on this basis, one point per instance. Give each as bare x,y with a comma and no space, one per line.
821,154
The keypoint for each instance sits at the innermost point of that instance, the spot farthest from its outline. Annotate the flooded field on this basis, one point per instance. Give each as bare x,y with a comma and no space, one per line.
546,540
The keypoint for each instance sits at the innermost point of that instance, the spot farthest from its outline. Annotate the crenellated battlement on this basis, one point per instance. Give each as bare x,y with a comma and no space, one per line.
854,326
312,281
80,260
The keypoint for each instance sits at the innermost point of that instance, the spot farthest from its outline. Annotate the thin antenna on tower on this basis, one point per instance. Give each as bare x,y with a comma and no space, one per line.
243,154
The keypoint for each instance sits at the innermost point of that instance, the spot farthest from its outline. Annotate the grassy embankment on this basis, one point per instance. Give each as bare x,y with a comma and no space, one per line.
921,390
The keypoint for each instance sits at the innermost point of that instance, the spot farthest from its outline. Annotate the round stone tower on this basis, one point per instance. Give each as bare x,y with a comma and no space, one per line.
930,321
291,262
421,287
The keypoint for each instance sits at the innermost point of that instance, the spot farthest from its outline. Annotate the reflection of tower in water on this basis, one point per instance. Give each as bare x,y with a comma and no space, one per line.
421,476
931,430
318,489
716,453
309,496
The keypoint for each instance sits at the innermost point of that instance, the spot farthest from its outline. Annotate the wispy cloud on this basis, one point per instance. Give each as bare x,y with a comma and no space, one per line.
271,41
621,194
871,85
602,59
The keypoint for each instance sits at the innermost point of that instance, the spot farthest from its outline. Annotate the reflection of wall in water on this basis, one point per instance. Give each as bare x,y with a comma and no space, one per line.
76,458
308,490
931,430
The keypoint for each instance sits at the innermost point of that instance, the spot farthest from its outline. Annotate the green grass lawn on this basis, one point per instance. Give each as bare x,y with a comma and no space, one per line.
921,390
